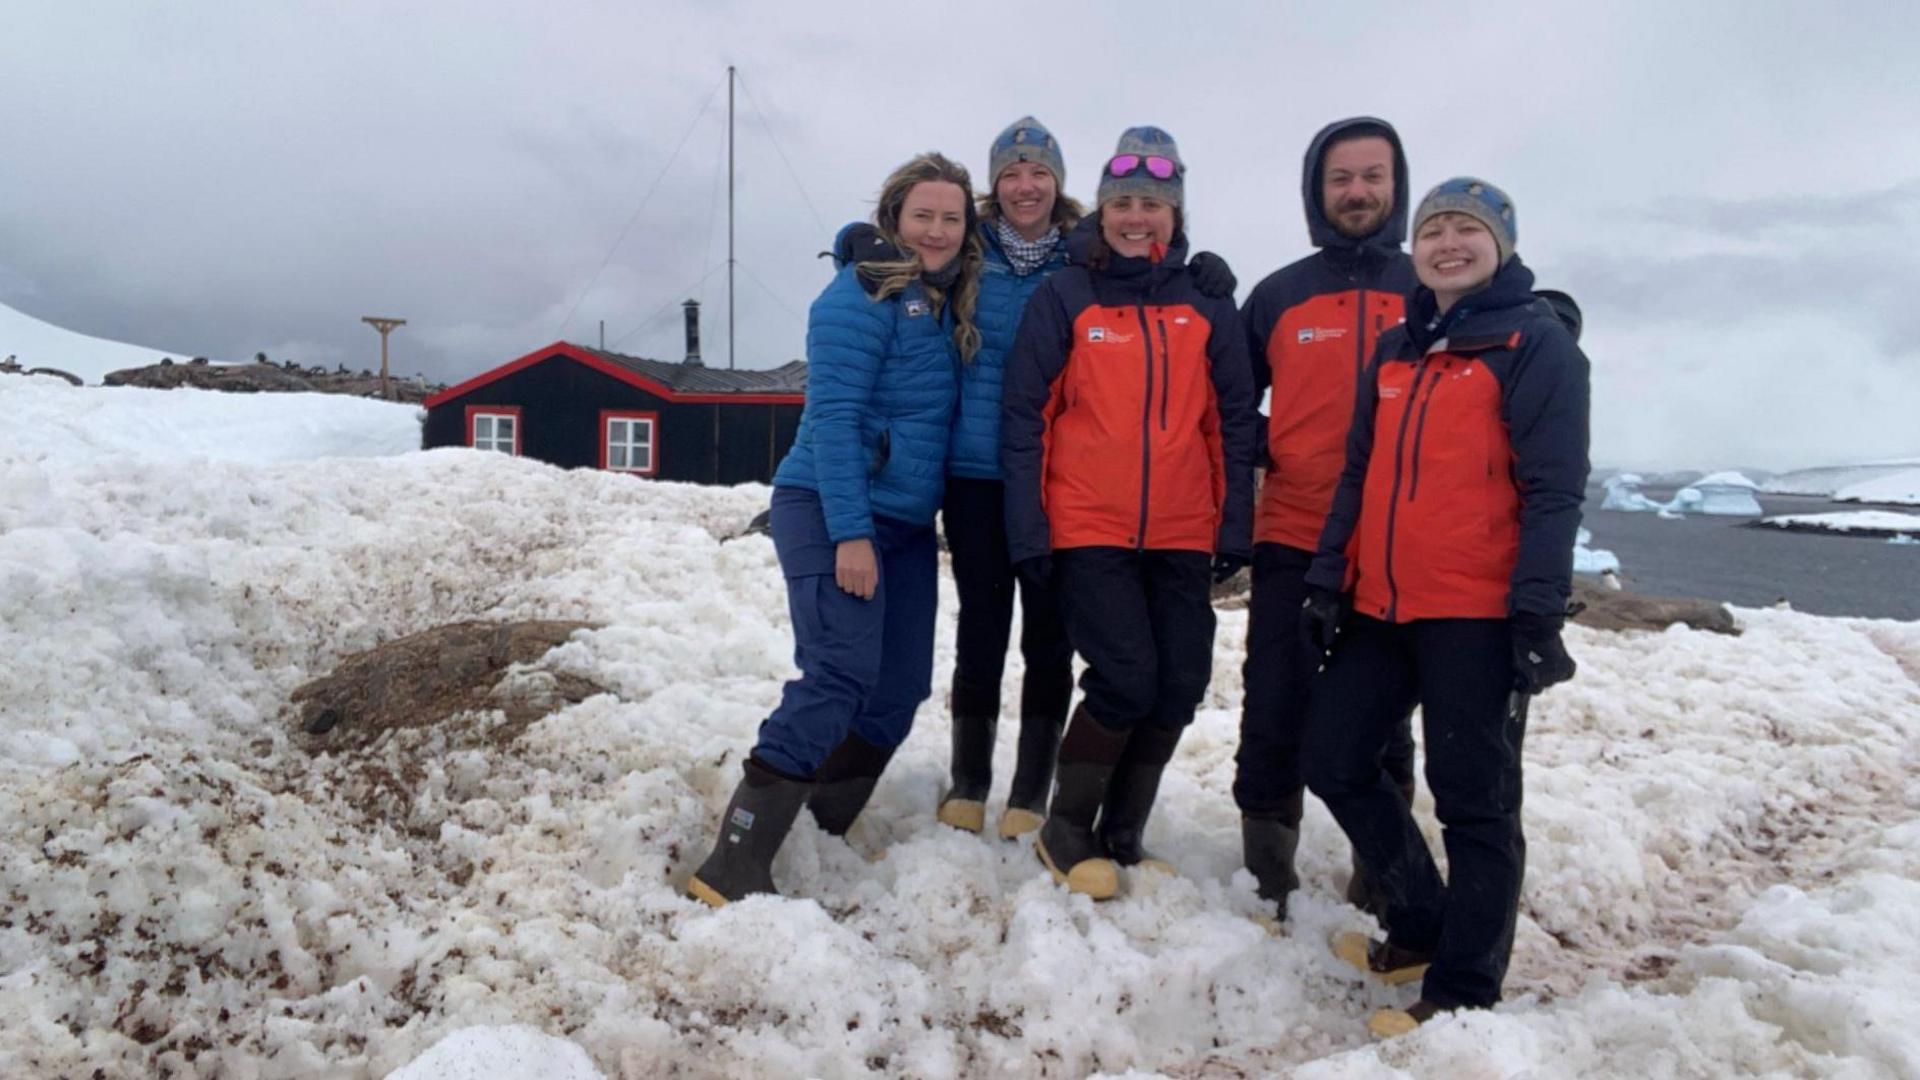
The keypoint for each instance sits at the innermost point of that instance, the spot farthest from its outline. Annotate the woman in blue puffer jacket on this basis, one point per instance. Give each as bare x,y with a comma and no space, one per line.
852,522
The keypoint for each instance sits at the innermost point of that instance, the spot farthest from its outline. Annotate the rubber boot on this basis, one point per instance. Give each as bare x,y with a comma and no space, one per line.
1066,843
845,782
1032,776
1130,795
1268,840
976,718
752,829
1360,891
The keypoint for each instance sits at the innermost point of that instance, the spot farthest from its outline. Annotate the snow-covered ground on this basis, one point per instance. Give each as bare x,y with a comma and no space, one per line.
1828,480
1900,487
1723,876
35,344
1879,522
53,421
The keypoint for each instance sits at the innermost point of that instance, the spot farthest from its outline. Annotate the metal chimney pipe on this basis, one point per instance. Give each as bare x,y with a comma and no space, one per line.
693,333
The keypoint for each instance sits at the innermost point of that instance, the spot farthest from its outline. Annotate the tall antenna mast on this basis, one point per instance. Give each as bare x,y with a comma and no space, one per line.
729,217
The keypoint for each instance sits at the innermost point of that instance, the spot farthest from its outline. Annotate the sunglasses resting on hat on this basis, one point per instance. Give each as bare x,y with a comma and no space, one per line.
1160,168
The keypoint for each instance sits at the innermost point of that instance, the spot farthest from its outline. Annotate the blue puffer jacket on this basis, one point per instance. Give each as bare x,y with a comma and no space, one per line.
975,451
882,378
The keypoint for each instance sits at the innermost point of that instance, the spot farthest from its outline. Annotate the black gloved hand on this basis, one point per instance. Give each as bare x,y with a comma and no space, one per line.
863,242
1225,566
1320,622
1539,659
1212,276
1037,571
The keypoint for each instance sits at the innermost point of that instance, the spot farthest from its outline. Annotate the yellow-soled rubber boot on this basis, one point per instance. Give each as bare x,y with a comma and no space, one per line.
1388,963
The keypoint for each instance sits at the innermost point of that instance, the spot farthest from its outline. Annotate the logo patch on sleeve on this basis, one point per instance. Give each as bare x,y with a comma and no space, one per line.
916,308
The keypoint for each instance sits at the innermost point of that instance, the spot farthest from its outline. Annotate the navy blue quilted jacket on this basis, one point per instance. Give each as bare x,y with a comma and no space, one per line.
975,450
882,379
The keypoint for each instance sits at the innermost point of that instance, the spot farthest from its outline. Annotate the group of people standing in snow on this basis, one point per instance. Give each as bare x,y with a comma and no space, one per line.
1077,401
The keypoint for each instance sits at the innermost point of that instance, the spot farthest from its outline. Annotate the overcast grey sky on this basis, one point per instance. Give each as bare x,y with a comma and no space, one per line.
1731,190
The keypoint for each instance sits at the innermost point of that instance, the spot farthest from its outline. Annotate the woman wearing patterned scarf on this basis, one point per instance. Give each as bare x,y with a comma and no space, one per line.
1024,219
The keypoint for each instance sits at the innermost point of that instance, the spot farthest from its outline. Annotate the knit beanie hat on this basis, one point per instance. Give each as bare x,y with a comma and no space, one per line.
1143,142
1478,200
1026,139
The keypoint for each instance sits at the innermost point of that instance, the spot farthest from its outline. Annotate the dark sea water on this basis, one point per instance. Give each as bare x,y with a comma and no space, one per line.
1722,558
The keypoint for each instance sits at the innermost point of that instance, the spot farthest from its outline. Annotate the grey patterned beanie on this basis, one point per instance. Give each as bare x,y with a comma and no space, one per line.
1142,143
1026,139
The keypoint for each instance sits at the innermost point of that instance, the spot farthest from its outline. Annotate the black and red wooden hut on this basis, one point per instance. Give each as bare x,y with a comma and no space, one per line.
579,407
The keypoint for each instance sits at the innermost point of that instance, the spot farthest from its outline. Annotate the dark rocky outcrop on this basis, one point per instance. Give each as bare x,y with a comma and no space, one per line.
424,679
260,377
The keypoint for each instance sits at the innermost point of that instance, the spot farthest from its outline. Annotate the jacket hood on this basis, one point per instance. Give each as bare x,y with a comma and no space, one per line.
1393,232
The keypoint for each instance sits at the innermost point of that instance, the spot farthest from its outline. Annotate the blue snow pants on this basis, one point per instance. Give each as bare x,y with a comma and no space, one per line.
865,665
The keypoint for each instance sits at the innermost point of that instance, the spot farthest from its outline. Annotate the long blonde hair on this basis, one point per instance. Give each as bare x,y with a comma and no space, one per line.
888,278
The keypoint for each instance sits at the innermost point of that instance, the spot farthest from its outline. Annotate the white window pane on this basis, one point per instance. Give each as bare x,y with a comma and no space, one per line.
643,433
482,429
616,457
503,427
643,458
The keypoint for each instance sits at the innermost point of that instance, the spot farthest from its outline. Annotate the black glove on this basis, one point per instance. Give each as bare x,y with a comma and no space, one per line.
1539,659
1225,566
1037,572
863,242
1212,276
1320,622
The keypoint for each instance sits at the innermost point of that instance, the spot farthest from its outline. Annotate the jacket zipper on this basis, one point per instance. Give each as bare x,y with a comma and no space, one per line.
1393,498
1360,336
1419,433
1146,427
1166,368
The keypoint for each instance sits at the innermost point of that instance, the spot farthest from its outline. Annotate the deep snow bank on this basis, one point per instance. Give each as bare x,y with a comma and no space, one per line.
1719,878
54,422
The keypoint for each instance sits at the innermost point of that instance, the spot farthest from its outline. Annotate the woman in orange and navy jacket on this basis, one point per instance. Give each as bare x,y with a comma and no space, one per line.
1442,579
1128,435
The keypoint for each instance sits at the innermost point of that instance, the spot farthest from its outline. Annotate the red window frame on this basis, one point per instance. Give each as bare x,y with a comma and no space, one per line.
519,424
653,440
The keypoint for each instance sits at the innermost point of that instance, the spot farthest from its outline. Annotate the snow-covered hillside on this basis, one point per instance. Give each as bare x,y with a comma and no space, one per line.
53,421
36,344
1723,876
1902,488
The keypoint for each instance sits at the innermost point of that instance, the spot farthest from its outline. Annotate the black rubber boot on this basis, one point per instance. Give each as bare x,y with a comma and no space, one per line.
752,829
845,782
1066,843
1130,795
976,719
1268,840
1032,776
1360,891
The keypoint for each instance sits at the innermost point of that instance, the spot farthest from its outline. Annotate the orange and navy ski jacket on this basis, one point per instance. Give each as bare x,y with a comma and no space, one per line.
1466,463
1127,418
1311,328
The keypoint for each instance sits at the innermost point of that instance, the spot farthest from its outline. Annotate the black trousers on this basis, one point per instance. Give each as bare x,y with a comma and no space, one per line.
974,517
1460,671
1278,676
1143,620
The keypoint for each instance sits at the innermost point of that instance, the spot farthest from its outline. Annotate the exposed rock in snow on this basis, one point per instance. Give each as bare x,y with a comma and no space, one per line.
1856,522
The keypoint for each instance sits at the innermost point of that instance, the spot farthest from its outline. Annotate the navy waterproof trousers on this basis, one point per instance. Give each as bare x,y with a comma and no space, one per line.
1460,671
865,665
1278,676
1143,620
